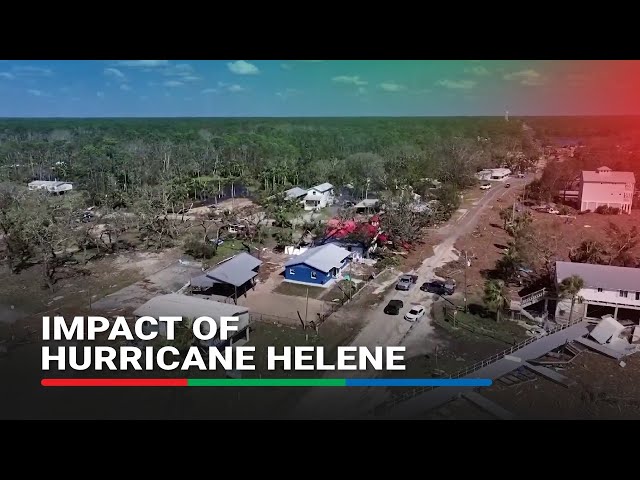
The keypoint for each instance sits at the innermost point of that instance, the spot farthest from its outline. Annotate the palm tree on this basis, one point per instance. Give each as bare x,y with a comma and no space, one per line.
507,266
495,296
570,288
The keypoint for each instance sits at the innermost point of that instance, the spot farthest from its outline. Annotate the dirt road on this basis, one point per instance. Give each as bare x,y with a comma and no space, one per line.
386,330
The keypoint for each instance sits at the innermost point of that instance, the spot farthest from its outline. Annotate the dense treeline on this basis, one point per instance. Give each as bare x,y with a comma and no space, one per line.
585,129
198,157
141,173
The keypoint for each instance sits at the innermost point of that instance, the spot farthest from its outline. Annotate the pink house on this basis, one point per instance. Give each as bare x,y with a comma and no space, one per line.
605,187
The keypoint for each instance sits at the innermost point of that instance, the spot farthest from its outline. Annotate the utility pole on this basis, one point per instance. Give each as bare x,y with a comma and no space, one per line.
306,308
466,264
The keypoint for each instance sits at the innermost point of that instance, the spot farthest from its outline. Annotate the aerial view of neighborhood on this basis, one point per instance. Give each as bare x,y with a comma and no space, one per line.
499,244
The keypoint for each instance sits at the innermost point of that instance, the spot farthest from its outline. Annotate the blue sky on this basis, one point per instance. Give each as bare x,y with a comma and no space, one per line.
148,88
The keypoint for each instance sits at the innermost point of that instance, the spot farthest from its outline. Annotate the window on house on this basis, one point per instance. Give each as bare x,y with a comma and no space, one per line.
599,290
637,296
292,271
624,293
314,275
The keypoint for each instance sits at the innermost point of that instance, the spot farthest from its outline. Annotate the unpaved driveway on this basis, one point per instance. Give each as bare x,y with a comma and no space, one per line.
387,330
167,280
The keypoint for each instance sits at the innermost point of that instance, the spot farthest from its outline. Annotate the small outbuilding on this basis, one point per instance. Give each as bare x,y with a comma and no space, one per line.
185,306
230,278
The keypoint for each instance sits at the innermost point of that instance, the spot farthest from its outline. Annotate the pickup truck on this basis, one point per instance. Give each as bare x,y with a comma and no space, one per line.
406,282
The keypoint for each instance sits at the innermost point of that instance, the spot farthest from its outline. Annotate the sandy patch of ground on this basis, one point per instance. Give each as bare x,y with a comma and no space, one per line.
234,204
75,294
168,280
200,211
264,301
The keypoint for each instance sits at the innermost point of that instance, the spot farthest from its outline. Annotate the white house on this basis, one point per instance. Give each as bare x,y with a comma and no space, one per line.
605,187
493,174
50,186
319,197
607,290
499,173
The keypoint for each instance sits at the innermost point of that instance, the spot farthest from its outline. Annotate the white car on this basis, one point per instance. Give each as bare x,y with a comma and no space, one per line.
553,211
415,314
486,186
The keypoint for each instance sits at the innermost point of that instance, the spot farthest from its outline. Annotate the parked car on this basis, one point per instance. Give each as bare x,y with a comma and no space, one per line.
434,286
440,287
553,211
406,282
485,186
415,314
393,307
521,175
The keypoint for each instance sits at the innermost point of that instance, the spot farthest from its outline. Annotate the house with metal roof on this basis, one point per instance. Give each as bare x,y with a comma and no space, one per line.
604,187
319,197
231,277
367,205
608,290
185,306
318,266
295,193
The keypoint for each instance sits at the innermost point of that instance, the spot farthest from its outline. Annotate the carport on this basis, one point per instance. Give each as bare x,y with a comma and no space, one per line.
231,278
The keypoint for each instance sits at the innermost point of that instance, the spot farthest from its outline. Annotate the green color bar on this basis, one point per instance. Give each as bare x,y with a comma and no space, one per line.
266,382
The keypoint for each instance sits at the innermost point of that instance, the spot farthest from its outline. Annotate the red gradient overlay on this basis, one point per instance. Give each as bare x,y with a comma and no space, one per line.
114,382
588,87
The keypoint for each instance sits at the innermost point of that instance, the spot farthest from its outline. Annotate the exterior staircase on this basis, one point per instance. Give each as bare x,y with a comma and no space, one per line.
518,376
527,301
532,298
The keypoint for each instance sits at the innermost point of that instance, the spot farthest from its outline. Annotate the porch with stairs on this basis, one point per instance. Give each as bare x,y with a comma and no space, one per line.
519,308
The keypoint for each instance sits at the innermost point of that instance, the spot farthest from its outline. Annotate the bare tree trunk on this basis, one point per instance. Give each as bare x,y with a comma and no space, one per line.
573,301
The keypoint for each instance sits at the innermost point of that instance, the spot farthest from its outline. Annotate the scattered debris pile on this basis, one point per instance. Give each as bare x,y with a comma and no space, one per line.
613,339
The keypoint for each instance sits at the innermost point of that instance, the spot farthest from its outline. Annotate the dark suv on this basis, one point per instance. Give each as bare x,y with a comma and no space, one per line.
439,287
393,307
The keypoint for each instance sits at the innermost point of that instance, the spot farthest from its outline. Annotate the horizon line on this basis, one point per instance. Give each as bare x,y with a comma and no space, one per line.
514,117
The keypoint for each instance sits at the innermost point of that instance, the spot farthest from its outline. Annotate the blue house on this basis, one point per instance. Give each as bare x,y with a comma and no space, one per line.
317,266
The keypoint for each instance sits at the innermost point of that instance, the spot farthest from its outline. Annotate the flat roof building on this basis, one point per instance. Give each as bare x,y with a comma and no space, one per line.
185,306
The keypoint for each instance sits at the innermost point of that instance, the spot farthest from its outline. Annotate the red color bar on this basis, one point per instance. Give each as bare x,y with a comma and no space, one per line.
114,382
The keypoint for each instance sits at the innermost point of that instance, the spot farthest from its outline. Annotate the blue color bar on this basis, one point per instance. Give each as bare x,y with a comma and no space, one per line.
419,382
